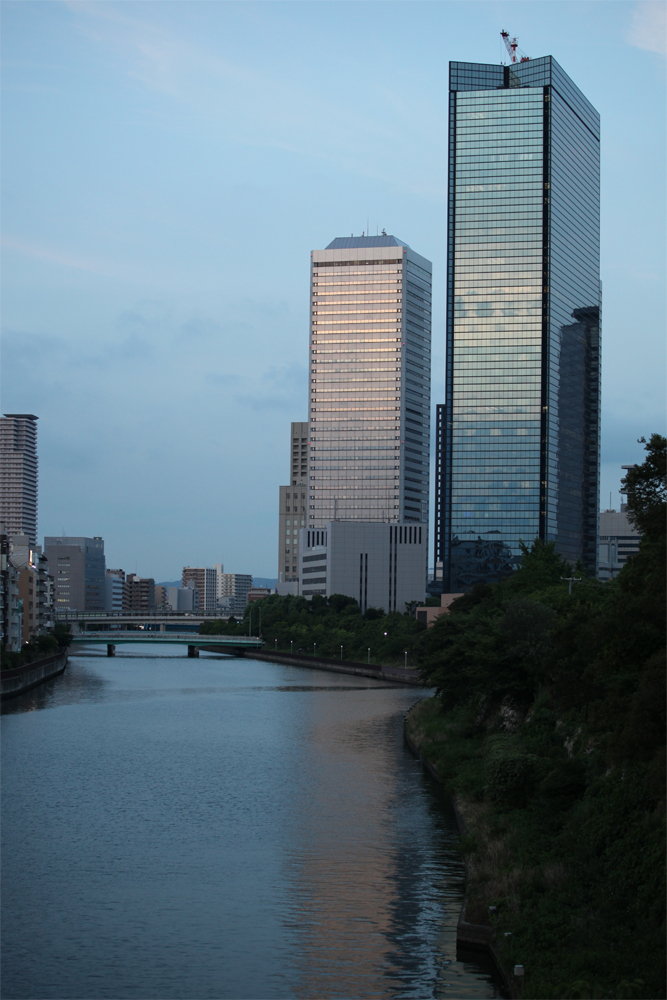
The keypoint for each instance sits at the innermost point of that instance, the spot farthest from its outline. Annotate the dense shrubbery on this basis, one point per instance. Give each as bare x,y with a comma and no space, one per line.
36,649
549,726
328,623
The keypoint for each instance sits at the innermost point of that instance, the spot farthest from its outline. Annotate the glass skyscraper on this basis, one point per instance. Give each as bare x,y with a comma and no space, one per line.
518,435
369,382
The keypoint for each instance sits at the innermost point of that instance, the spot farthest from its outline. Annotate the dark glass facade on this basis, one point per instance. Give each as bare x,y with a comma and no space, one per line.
519,448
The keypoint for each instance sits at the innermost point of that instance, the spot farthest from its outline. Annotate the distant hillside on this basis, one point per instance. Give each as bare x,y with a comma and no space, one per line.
257,581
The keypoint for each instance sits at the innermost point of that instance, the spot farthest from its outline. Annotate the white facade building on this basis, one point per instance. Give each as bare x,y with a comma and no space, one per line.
234,591
618,540
114,592
380,565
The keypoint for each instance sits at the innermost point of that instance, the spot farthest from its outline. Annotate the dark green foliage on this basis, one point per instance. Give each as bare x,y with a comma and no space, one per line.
560,700
646,488
38,648
323,625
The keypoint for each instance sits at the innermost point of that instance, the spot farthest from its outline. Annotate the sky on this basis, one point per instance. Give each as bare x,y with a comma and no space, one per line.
167,169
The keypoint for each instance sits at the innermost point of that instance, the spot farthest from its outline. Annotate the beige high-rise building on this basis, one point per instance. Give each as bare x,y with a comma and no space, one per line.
293,501
369,383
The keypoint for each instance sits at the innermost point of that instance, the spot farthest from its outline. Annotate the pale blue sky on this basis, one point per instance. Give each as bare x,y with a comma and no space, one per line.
167,169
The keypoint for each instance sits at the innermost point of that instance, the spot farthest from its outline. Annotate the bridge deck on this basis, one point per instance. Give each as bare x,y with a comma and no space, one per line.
115,638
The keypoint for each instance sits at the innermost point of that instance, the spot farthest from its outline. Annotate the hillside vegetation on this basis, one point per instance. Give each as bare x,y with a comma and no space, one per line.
548,726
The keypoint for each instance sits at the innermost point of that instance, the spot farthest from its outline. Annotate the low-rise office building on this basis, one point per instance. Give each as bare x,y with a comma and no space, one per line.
618,539
381,565
78,568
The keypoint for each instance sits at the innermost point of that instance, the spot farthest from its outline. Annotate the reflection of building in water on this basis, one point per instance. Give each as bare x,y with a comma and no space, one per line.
518,435
375,876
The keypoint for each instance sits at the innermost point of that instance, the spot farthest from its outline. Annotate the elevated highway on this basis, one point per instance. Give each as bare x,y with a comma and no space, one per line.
236,645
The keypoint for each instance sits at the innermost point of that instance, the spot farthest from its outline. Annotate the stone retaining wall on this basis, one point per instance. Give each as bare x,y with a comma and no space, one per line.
20,679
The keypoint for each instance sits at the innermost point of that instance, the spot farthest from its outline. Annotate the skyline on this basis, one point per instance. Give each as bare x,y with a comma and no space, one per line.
165,352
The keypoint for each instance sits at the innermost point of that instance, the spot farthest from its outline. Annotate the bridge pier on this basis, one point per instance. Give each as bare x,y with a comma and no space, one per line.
193,651
111,649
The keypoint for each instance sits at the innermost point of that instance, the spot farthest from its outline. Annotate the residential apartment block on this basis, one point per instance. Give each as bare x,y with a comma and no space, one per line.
18,474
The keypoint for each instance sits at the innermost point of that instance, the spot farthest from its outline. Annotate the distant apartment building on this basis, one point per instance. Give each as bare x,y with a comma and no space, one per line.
205,580
183,598
35,586
11,611
235,589
161,597
114,591
380,565
293,502
18,474
78,569
258,594
139,593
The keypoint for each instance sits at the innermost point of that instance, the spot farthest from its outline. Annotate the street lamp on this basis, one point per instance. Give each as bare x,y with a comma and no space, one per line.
276,645
341,652
406,659
314,648
291,645
369,654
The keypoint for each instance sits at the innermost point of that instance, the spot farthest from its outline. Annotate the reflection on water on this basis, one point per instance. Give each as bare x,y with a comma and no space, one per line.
213,827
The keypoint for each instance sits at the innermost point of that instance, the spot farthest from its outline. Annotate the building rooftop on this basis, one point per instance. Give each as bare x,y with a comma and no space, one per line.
363,242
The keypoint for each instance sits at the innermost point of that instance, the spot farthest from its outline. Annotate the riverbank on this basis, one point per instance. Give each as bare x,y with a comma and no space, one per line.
16,681
397,675
564,862
471,936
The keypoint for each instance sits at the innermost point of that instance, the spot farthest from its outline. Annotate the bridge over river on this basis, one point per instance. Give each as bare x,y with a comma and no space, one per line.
234,645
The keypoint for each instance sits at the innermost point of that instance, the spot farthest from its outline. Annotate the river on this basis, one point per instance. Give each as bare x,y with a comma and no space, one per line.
223,828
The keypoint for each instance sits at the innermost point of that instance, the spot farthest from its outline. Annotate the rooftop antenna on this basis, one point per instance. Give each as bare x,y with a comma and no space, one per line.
513,50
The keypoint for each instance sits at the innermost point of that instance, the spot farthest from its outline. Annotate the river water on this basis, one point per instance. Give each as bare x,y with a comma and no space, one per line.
223,828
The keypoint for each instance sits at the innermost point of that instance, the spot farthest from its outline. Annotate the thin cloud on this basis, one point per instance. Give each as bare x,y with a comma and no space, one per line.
55,256
649,27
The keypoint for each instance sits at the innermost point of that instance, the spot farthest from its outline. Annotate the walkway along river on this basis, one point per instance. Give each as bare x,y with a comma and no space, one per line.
223,828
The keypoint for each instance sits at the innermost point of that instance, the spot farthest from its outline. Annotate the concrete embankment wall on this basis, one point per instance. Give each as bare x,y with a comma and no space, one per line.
20,679
397,675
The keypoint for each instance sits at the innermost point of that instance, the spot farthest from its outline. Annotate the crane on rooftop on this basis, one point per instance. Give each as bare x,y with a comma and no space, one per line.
515,53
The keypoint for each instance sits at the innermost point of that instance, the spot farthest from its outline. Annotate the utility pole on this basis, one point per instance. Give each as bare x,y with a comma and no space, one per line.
570,580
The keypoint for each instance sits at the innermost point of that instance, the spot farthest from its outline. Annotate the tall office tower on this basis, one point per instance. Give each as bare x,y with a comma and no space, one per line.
370,382
518,436
79,570
292,504
18,474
